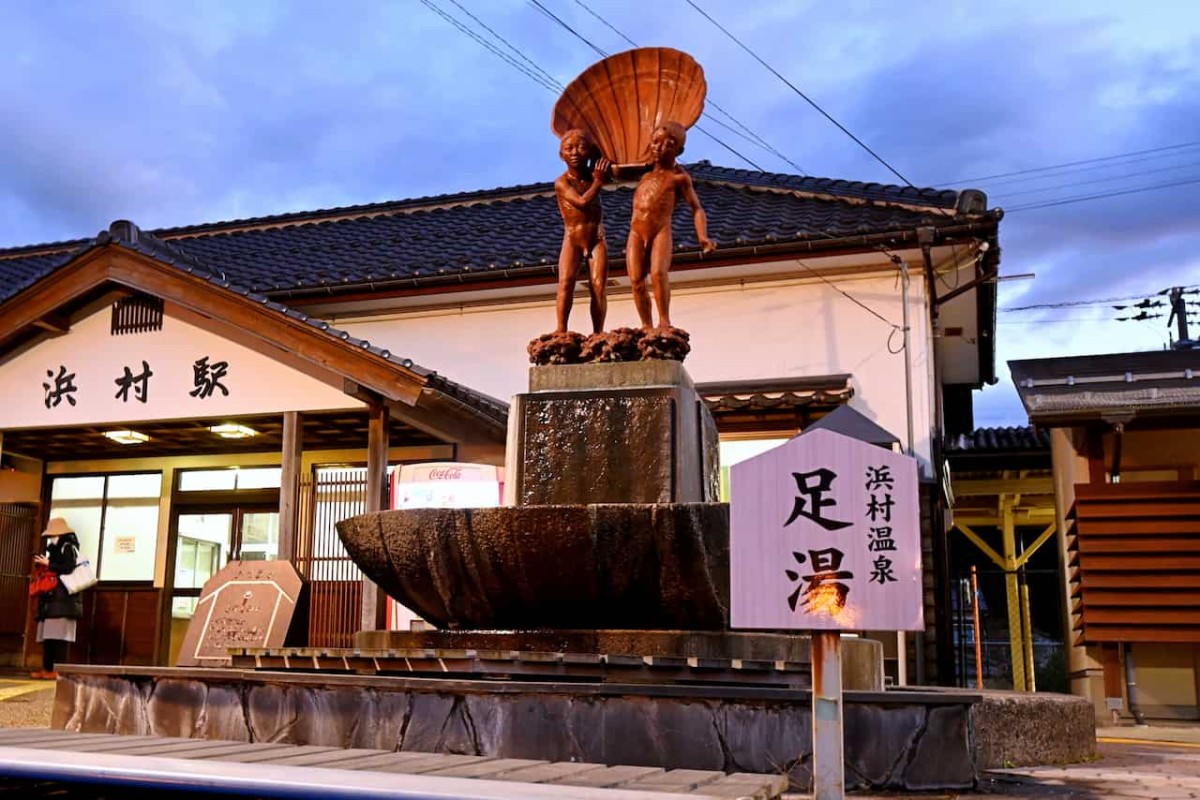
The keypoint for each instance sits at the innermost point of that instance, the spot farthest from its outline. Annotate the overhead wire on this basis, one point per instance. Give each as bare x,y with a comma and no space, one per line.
1071,163
795,89
1108,179
1084,198
563,24
536,78
745,132
533,64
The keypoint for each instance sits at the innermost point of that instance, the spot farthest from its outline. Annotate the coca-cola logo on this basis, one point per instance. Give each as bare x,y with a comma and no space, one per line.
445,473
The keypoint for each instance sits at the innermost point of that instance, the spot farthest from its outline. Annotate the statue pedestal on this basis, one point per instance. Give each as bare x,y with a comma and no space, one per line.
622,432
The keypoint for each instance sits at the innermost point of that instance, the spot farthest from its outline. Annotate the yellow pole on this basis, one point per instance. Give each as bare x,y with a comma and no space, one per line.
1008,529
1028,630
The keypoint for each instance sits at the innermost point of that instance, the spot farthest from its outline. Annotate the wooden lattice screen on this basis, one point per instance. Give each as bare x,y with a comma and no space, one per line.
334,582
1135,554
17,525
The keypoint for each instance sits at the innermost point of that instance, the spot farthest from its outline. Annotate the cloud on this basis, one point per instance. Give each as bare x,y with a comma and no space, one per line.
172,115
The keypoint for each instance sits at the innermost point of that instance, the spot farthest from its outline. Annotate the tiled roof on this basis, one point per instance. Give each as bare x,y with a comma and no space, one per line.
1110,385
487,406
500,233
1000,440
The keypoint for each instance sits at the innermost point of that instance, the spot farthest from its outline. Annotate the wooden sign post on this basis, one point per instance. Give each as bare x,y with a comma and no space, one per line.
825,536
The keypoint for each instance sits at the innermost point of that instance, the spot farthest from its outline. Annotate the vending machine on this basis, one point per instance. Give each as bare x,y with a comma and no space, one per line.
440,484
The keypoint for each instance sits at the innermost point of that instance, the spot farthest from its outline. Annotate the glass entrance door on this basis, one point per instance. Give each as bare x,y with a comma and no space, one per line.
208,539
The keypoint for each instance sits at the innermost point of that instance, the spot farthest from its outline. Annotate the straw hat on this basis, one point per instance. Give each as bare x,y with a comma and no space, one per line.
57,527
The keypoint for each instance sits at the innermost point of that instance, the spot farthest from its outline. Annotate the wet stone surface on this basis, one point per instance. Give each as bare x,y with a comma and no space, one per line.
526,567
890,744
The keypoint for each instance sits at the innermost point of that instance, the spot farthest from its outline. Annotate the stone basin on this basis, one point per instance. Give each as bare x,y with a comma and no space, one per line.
632,566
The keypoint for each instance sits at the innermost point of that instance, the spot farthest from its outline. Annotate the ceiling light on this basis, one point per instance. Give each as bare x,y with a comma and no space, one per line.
232,430
127,437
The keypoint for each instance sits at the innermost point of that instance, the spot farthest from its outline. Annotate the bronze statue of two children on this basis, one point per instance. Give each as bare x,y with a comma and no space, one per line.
650,244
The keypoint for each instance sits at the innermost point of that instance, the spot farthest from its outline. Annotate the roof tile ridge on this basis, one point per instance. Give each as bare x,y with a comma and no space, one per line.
361,211
826,188
43,249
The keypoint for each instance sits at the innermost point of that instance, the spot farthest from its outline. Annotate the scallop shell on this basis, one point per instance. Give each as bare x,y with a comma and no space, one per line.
621,100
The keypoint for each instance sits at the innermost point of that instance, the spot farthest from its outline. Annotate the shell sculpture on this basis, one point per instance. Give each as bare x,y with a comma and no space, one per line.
621,100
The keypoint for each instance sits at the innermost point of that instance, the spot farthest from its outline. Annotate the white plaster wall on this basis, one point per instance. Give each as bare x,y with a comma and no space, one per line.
257,384
775,329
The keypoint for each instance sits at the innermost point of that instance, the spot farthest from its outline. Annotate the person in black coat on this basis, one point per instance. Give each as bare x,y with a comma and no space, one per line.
57,610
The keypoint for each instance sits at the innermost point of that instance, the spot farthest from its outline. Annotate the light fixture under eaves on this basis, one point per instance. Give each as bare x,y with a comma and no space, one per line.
231,430
127,436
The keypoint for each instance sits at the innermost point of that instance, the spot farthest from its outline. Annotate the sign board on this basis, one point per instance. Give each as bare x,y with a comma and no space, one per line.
825,535
90,377
246,604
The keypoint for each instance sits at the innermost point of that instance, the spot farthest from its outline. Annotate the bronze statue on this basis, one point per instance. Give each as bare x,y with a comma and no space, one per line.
578,192
650,241
623,117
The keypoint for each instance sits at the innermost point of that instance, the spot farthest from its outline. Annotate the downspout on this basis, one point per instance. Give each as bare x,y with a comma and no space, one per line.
1131,692
937,512
919,638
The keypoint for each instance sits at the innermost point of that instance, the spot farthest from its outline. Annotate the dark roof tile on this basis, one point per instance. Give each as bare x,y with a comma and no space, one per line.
499,230
1000,440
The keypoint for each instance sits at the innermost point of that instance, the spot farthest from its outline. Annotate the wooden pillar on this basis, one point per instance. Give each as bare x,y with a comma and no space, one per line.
289,486
374,604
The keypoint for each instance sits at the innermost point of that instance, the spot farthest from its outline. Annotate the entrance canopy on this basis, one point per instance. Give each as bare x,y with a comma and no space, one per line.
131,330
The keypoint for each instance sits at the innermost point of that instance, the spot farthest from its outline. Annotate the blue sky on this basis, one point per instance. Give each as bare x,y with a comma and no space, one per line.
172,114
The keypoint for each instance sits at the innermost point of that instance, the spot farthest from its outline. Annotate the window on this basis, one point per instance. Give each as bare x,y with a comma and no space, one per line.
116,520
735,450
230,479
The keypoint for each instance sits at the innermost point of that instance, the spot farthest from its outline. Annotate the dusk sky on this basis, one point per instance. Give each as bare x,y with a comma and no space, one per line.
171,114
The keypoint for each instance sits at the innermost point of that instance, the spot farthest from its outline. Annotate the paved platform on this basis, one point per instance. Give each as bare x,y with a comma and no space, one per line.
271,770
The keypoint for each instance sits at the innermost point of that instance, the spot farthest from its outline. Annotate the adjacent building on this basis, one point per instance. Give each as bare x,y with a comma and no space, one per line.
1124,434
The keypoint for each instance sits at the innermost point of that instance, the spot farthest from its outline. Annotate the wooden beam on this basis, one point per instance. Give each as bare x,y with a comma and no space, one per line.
1022,515
289,488
1042,538
374,602
54,323
969,487
978,541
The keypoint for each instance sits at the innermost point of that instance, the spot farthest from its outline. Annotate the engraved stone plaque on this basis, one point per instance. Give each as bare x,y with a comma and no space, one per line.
246,604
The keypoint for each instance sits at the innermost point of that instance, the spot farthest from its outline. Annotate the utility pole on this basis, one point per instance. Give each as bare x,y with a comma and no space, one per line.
1179,316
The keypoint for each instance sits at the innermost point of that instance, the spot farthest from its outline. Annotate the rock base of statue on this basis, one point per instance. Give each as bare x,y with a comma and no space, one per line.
625,432
617,345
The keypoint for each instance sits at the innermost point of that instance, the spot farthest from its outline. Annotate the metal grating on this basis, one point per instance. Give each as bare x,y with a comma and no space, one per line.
334,581
140,313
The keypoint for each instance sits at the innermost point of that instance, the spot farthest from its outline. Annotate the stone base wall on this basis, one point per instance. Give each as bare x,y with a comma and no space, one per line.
899,740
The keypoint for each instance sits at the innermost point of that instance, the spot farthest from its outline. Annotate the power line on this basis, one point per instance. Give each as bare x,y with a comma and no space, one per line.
574,32
1071,163
507,44
535,77
1069,200
850,297
586,8
1126,176
1075,303
792,86
748,135
555,18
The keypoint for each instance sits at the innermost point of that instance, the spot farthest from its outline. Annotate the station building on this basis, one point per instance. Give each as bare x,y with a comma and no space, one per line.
190,395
